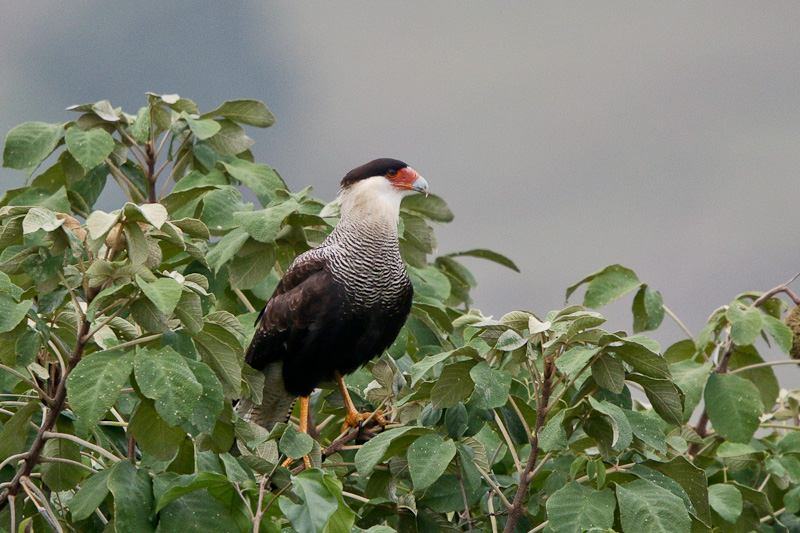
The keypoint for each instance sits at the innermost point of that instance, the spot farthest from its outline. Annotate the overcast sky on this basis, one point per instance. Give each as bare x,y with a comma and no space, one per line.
568,136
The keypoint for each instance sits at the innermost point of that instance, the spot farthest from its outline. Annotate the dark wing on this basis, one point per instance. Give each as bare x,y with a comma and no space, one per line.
299,299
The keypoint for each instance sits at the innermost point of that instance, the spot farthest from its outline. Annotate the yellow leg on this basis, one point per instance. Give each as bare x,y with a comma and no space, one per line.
354,419
303,429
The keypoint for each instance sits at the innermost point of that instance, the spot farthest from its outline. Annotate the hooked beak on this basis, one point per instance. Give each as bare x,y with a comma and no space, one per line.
420,185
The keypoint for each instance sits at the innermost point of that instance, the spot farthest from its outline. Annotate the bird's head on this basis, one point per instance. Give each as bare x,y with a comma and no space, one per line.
386,174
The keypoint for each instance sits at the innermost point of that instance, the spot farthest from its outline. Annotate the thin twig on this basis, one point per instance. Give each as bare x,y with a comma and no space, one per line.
494,486
40,500
102,451
140,340
539,527
509,442
677,320
492,517
66,461
242,298
106,321
466,502
760,365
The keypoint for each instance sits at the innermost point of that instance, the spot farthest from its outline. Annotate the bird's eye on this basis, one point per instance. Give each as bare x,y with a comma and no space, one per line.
392,173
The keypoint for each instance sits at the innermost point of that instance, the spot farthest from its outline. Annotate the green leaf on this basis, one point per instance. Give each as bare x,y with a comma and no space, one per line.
230,139
226,248
28,144
576,507
248,271
262,179
647,428
623,435
138,249
62,476
780,332
648,309
202,128
575,359
645,507
733,405
218,208
295,444
133,498
38,218
90,147
745,324
431,207
693,481
609,373
211,402
428,458
153,434
726,500
222,351
164,376
762,377
690,377
664,395
92,493
100,223
264,225
251,112
640,357
141,125
14,434
382,445
553,436
190,311
488,255
11,312
734,449
491,386
606,285
197,512
318,502
454,385
163,292
93,387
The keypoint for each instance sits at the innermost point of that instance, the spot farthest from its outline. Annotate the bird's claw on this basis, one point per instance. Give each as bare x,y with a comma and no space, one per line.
361,421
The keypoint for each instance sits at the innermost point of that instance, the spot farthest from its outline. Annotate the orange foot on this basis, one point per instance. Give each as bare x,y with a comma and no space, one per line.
354,419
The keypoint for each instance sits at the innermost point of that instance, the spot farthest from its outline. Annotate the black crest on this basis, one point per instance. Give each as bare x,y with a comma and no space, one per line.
378,167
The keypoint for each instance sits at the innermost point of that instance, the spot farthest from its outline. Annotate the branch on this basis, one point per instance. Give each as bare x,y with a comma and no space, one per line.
517,509
677,320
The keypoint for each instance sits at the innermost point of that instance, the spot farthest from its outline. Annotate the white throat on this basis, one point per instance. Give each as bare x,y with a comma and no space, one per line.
373,202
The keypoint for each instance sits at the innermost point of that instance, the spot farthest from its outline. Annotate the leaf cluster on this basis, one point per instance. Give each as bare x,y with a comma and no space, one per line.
121,353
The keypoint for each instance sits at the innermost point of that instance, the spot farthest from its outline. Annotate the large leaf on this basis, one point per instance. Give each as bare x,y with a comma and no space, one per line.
726,500
90,147
431,207
491,386
489,255
211,402
153,434
606,285
576,507
61,476
197,512
734,406
664,395
265,224
251,112
453,386
28,144
622,433
230,139
163,292
164,376
318,502
222,351
428,458
14,434
11,312
260,178
381,446
645,507
95,384
133,498
745,324
92,493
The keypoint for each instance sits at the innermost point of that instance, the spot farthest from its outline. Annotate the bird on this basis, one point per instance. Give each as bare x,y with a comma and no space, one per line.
338,305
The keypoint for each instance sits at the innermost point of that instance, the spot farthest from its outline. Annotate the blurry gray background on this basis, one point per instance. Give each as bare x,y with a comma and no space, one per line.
568,136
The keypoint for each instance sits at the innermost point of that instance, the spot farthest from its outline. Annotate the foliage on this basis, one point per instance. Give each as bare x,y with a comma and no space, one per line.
122,336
